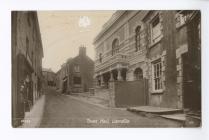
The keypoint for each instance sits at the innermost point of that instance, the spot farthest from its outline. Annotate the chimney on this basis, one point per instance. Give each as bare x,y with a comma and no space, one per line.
82,51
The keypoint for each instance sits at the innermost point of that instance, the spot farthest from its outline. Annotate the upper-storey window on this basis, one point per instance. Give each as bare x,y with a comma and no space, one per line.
100,57
155,29
28,19
76,68
181,18
137,37
115,46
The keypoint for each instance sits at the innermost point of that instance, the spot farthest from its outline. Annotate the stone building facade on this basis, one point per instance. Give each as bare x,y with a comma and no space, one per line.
76,75
27,54
135,45
49,78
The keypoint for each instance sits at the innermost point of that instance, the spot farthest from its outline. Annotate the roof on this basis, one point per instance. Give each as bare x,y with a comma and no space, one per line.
108,24
47,70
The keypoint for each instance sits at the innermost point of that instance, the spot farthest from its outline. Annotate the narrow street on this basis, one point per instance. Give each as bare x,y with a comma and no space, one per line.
64,111
100,61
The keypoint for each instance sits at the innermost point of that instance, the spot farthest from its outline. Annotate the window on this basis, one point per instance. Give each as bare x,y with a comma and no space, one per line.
33,60
27,46
28,19
66,70
137,38
199,33
100,57
77,80
115,46
181,18
138,73
76,68
155,29
157,75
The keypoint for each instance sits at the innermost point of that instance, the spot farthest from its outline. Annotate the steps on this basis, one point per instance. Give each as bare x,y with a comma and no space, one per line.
187,118
167,113
177,117
154,110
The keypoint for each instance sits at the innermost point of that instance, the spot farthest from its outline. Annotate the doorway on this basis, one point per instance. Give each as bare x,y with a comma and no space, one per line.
64,90
191,84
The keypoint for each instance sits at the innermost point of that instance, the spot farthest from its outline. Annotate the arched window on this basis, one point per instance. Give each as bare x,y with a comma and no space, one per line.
138,73
137,37
115,46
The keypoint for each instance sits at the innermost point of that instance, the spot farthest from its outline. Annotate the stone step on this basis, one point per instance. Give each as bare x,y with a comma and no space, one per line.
177,117
154,110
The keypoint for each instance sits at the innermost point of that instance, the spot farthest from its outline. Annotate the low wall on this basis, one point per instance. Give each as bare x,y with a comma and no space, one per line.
128,93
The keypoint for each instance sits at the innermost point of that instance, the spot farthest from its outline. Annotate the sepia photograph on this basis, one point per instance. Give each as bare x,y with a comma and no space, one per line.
106,69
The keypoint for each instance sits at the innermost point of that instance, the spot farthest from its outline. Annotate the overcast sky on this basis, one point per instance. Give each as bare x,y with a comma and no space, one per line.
64,31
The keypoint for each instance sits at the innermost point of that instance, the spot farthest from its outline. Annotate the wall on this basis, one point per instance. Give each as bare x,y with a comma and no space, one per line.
170,97
125,94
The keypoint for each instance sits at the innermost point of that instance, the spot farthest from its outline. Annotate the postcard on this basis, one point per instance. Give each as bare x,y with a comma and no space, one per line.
106,69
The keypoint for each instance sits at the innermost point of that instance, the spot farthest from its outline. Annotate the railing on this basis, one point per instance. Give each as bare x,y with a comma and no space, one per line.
110,60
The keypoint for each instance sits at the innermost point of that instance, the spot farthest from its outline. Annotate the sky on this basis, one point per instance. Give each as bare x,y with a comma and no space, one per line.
63,32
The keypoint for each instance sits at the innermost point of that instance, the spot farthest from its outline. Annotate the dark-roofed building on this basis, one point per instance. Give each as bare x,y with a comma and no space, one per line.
76,75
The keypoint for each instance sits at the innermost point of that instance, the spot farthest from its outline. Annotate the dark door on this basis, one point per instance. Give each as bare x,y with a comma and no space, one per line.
191,84
64,87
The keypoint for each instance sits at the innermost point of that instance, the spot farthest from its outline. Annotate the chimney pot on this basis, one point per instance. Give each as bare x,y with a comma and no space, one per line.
82,50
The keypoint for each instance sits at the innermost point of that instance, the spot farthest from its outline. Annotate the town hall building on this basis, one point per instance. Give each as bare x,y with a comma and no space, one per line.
162,47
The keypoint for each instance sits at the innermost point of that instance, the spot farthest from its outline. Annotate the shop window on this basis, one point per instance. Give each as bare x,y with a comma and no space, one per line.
33,60
157,75
199,34
27,46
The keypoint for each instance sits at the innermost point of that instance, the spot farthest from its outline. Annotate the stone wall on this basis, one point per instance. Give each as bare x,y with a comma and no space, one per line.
112,94
155,99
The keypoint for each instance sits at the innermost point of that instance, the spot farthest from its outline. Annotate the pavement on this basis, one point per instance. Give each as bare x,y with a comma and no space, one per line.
33,118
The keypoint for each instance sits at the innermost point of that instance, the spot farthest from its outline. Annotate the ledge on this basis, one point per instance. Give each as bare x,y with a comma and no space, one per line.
155,43
157,92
